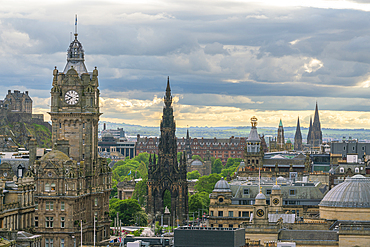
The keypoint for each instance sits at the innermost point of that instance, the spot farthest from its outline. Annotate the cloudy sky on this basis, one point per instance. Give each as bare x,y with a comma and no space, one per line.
227,60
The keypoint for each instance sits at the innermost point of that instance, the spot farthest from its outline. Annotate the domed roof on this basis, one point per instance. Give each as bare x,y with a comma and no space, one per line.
107,134
222,186
276,187
260,196
353,192
55,155
196,163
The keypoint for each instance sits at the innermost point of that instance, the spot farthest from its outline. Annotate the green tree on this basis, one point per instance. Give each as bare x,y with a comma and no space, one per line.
217,166
193,175
142,170
194,157
127,210
167,199
207,183
195,202
141,191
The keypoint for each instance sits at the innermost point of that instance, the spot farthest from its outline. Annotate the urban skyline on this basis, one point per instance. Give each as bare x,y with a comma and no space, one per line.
227,61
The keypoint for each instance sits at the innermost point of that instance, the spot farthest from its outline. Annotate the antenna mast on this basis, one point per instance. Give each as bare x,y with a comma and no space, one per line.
76,26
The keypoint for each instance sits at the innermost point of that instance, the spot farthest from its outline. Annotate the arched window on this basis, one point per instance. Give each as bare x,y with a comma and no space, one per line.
47,187
357,170
53,187
341,170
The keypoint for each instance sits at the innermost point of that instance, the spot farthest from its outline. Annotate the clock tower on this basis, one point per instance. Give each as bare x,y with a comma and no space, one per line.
73,182
75,107
276,200
260,210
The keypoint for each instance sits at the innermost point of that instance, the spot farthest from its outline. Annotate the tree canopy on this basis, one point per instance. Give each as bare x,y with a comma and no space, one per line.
207,183
128,210
193,175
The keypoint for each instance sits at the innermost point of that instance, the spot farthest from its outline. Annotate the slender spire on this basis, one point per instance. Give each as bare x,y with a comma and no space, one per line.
168,96
281,123
298,137
187,134
316,118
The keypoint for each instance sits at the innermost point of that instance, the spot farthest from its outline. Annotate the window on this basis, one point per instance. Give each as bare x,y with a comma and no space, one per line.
246,191
220,213
36,221
353,148
62,206
268,191
245,214
96,201
62,222
49,205
220,199
240,214
60,125
230,225
231,214
257,162
47,187
363,148
49,222
36,206
46,242
53,187
292,192
297,213
220,225
62,242
341,170
51,242
211,213
83,125
344,148
357,170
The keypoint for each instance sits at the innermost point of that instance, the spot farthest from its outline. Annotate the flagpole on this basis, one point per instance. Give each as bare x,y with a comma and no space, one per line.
259,179
81,233
94,230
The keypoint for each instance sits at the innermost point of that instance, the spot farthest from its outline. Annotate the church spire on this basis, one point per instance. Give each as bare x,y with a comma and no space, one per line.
298,137
316,119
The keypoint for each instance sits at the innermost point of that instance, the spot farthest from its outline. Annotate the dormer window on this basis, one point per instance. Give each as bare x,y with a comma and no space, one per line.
341,170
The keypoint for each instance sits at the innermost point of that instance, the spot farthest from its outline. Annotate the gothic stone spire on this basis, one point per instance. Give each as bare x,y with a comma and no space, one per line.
298,137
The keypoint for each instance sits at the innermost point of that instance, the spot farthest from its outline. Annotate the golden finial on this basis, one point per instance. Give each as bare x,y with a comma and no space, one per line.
254,121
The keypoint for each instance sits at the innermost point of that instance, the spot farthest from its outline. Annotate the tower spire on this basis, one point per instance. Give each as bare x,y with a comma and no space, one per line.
168,96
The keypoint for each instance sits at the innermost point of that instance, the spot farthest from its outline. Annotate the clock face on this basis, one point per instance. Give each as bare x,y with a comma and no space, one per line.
260,213
71,97
5,174
275,201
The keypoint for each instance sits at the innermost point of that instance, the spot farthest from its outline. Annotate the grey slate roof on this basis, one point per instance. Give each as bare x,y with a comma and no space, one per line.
253,135
309,235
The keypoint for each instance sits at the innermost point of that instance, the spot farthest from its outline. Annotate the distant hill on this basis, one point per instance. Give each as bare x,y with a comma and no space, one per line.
227,132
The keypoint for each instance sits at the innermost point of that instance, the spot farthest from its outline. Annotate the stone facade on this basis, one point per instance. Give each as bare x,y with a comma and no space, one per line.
17,102
167,174
73,183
